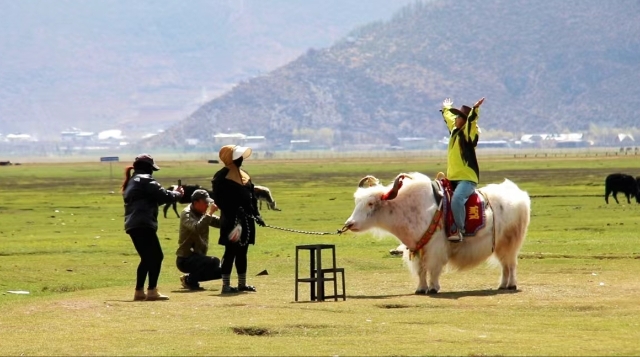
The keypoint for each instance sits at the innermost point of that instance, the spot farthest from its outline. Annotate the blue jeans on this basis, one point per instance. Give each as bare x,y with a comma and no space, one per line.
463,190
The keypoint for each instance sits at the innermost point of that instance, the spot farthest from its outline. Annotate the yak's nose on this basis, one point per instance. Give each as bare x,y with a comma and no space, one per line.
348,225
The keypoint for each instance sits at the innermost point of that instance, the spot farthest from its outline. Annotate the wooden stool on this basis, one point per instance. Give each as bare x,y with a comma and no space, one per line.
318,274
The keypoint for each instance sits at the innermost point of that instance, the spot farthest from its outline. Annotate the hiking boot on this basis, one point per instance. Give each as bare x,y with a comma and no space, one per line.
184,281
246,288
154,295
228,289
456,238
139,295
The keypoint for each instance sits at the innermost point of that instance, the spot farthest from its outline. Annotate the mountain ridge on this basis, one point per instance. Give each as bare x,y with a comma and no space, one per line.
544,67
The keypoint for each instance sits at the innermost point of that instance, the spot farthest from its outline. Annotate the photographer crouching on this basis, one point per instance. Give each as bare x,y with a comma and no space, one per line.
193,243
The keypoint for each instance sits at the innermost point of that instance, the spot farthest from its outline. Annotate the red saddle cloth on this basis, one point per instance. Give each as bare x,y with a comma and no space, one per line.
475,207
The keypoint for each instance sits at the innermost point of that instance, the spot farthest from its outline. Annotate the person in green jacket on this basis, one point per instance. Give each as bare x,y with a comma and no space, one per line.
193,242
462,165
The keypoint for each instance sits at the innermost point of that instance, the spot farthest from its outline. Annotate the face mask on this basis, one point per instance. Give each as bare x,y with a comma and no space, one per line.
238,161
143,167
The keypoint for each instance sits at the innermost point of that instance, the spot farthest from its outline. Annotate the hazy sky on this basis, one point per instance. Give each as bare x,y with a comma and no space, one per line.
103,63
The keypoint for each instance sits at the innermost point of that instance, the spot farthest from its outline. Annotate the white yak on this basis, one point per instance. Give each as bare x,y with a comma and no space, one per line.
406,209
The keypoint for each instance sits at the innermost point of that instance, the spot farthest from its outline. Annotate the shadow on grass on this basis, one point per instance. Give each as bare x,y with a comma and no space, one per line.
376,297
454,295
187,291
129,300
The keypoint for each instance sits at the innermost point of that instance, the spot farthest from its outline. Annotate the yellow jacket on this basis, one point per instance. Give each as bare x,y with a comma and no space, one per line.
462,163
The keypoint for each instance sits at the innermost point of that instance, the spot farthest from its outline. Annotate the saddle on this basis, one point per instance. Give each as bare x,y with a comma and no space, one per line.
475,208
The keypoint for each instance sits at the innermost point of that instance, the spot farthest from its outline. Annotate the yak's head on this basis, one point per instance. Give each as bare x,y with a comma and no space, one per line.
370,198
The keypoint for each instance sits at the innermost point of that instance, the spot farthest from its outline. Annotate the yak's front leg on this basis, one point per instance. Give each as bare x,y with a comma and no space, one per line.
422,274
434,278
418,268
436,263
422,284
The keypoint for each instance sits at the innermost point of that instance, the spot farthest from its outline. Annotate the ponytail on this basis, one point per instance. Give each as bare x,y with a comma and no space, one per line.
127,176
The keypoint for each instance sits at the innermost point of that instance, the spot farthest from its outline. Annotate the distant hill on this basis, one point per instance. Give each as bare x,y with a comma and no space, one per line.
544,66
141,65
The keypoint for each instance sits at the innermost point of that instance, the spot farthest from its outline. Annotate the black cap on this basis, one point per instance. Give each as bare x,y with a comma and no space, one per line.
201,195
148,159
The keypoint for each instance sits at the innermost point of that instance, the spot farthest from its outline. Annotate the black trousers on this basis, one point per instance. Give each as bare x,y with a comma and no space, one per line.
235,253
200,268
148,247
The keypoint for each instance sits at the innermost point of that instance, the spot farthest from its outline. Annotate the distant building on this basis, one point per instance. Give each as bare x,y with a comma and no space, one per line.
492,144
621,139
413,143
303,144
625,139
20,138
68,135
76,135
534,140
569,140
114,135
255,142
229,139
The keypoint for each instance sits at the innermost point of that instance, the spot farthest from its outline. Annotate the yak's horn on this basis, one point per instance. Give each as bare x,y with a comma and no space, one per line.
368,181
397,183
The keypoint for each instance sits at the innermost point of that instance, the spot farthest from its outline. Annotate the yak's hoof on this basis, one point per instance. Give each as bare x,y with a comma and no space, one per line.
432,292
421,292
512,287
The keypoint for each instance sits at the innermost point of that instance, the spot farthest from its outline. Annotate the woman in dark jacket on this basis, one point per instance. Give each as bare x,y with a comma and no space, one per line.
233,194
142,195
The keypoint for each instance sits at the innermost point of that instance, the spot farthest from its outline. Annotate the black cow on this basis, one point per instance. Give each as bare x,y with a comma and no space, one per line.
186,198
626,184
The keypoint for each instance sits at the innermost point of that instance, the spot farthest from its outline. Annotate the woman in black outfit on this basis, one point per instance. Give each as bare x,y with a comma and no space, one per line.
142,195
233,194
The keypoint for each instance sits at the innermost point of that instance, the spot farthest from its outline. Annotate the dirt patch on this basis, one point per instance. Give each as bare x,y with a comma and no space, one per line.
251,331
63,288
393,306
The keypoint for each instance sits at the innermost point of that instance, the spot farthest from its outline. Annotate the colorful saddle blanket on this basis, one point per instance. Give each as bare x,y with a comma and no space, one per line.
475,207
